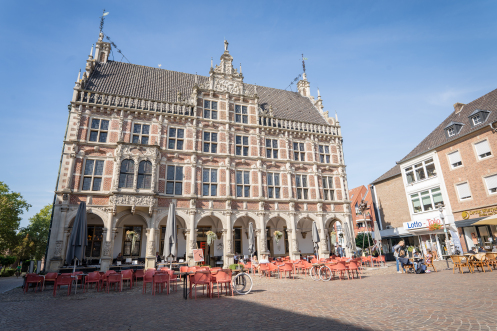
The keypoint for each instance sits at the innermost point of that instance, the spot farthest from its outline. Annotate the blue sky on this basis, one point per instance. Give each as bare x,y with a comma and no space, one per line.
391,69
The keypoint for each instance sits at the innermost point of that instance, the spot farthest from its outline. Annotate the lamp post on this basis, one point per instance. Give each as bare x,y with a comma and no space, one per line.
363,206
447,243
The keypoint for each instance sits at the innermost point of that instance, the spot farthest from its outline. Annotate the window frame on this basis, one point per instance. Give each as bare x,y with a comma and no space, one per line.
324,157
242,145
145,176
303,189
176,139
133,226
99,130
300,154
451,131
271,149
486,155
126,173
419,197
92,176
210,183
92,241
243,184
458,164
486,185
243,117
470,197
275,188
327,191
210,143
211,110
413,169
140,135
175,181
474,117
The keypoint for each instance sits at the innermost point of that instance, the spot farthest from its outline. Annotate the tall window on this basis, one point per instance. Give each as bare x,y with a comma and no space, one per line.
491,183
272,148
324,154
420,171
237,240
328,192
126,177
301,183
273,185
209,179
210,109
176,137
174,180
426,200
210,142
141,133
243,184
455,159
127,241
241,114
299,151
463,191
94,241
92,179
483,149
145,175
99,130
241,145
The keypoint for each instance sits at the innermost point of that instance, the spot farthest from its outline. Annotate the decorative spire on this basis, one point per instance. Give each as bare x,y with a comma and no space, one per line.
196,79
212,63
91,51
226,43
336,116
319,94
240,68
79,75
255,88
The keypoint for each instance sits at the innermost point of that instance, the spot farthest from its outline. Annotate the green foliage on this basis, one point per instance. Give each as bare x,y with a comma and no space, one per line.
235,266
7,260
410,248
12,206
363,239
7,272
32,241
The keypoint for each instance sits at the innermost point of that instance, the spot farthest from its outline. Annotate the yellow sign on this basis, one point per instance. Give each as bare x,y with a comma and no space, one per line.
480,212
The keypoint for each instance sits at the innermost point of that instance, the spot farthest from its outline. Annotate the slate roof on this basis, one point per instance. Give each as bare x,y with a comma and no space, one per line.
437,137
160,84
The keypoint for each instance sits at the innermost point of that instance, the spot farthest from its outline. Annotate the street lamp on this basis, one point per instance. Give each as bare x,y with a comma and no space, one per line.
447,243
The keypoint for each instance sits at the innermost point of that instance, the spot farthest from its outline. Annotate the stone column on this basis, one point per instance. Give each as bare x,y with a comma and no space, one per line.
323,245
228,241
109,235
150,252
295,254
191,237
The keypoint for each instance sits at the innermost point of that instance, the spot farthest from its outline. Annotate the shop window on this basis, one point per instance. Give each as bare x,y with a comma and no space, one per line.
95,235
128,249
237,240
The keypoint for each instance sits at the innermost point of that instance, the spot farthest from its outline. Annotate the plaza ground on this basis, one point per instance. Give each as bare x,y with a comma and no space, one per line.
381,300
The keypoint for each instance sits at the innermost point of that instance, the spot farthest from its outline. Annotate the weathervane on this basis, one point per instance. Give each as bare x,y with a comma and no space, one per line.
102,18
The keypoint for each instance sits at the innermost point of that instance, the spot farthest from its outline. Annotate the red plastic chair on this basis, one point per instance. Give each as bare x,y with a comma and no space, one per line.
33,279
273,268
201,278
93,277
128,276
79,279
50,277
164,269
148,278
138,274
159,280
183,269
354,266
341,268
64,279
173,279
224,277
105,276
114,279
264,269
287,269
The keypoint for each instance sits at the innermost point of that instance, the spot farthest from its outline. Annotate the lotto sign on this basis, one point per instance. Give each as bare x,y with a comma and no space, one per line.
414,225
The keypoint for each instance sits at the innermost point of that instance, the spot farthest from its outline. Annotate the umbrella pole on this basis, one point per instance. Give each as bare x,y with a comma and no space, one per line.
73,271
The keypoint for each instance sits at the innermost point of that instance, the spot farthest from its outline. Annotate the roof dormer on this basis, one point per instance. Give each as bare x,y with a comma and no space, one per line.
478,117
453,129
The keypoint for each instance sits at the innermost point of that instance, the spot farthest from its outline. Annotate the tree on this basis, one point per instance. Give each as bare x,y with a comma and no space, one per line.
37,231
361,240
12,206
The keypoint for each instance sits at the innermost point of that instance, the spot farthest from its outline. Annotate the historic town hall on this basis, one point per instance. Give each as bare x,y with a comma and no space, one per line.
225,152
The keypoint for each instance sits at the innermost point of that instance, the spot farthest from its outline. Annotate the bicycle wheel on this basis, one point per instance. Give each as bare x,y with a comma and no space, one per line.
314,271
242,283
325,273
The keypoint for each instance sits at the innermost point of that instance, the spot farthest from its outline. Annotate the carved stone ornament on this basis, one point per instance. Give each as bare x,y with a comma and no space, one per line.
133,200
58,248
150,248
107,248
295,245
223,85
228,249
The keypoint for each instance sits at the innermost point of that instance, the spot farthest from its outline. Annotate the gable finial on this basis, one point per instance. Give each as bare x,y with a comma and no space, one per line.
211,62
79,75
91,51
226,43
240,67
319,93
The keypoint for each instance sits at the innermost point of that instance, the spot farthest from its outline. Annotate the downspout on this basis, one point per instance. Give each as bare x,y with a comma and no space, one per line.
56,186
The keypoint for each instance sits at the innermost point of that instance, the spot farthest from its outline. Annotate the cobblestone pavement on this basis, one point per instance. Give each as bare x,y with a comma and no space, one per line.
8,283
434,301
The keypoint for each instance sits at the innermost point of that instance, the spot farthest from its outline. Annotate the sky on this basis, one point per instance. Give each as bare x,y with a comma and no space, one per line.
391,70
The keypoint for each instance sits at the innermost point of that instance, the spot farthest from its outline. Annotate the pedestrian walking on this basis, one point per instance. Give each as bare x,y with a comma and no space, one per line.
18,271
396,252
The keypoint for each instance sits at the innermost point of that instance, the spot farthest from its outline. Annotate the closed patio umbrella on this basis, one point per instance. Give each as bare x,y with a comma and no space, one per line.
78,239
170,238
377,238
315,238
251,241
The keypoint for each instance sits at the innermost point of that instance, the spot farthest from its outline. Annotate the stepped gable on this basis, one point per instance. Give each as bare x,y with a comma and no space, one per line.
137,81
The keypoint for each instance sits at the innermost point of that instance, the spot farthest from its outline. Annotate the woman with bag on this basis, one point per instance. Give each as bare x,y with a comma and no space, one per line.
396,250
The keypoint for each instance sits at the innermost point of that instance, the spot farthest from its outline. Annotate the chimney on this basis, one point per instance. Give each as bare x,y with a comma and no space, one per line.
458,107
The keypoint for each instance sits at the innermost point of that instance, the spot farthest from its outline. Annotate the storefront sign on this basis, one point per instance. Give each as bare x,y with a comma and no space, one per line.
479,212
415,225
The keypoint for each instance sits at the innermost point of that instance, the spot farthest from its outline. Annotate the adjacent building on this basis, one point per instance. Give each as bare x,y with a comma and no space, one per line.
227,153
453,169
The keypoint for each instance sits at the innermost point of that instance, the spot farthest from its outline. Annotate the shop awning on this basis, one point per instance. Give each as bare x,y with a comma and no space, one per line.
470,222
491,220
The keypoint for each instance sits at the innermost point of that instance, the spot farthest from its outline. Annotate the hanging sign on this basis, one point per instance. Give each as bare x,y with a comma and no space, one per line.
198,255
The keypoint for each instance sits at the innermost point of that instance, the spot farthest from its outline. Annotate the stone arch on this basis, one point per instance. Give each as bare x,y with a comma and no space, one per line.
240,232
121,217
100,213
181,224
244,215
281,247
337,225
212,215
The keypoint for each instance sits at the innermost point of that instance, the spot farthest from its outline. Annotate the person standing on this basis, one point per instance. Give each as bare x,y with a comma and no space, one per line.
396,250
18,271
340,251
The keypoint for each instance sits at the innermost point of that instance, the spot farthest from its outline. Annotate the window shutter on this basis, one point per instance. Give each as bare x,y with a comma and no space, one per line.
463,190
455,157
491,182
482,147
